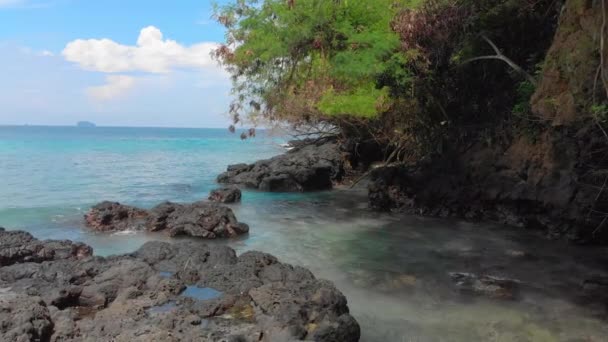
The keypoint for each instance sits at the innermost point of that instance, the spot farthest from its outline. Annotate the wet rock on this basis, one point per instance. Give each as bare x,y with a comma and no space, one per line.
596,284
593,294
113,216
205,220
596,288
311,167
225,195
523,183
484,285
201,219
124,298
19,247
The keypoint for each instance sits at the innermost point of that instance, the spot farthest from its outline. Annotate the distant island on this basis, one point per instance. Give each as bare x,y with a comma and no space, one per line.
86,124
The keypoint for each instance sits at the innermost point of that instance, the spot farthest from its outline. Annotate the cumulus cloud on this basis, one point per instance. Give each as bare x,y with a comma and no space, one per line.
151,54
116,86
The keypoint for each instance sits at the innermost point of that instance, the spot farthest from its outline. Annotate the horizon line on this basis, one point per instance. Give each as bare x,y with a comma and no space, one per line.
111,126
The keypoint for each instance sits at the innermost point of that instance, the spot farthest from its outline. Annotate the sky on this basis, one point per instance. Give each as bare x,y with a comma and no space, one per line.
115,63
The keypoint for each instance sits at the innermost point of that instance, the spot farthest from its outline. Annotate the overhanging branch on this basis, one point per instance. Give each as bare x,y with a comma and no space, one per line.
500,56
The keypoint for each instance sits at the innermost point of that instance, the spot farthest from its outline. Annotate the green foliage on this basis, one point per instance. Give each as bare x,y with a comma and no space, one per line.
396,69
527,123
522,104
362,102
302,59
600,112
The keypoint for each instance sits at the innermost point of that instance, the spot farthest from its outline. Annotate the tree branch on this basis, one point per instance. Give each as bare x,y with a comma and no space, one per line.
501,57
602,47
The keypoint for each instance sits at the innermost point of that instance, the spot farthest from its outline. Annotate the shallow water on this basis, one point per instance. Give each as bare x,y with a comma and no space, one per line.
201,293
393,269
164,274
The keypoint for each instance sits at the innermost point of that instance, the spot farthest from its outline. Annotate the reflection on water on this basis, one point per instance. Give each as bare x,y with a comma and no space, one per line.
164,274
201,293
395,270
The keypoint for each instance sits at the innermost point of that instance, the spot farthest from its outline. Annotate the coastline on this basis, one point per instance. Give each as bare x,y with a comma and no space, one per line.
400,273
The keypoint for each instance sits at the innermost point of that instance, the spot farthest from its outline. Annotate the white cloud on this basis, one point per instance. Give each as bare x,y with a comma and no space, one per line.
7,3
116,86
151,54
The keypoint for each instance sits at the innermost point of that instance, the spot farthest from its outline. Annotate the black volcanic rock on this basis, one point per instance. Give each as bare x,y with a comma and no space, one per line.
225,195
485,285
186,291
20,247
113,216
310,167
200,219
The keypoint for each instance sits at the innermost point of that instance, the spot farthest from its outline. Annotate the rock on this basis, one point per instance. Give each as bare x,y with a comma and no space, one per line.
125,298
594,294
311,167
24,318
488,286
596,284
225,195
522,184
20,247
200,219
557,96
113,216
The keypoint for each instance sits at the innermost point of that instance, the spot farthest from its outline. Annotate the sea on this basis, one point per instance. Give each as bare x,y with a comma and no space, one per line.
395,270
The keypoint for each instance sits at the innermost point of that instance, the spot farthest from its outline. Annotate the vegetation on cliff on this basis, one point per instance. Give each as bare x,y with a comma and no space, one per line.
516,88
406,69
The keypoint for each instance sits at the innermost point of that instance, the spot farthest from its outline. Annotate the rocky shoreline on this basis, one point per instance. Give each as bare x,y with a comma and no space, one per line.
59,291
517,185
189,291
477,186
205,220
502,191
311,166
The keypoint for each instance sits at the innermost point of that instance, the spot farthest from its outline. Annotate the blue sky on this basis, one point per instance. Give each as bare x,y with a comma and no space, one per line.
124,63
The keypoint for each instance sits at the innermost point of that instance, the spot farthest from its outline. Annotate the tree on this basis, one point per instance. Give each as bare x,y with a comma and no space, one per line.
308,60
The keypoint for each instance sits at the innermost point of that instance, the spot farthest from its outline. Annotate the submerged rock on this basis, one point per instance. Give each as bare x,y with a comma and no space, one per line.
200,219
225,195
310,167
594,291
125,298
484,285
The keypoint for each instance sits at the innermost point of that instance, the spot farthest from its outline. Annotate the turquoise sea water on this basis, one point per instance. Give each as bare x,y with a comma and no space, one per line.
393,269
50,176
